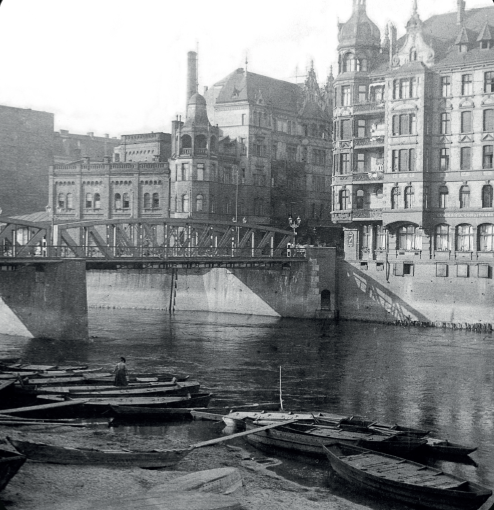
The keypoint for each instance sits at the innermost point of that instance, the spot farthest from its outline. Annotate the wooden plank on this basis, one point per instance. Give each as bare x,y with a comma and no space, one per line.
42,407
241,434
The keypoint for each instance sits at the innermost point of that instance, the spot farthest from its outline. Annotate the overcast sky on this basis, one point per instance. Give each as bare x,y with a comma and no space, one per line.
119,66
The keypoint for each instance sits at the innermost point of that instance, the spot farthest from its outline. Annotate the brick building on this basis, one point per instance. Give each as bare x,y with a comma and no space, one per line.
143,147
26,152
414,138
69,147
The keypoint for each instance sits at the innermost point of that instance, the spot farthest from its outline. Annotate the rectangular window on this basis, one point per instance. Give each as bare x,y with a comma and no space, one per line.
466,122
243,119
403,160
346,129
445,124
413,87
200,171
291,152
396,161
396,89
396,125
466,85
466,158
444,159
404,88
361,131
489,120
411,160
404,125
345,163
362,93
487,156
345,96
446,86
361,162
489,82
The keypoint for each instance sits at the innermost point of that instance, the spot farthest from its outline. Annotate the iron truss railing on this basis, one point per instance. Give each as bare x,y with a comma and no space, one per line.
144,239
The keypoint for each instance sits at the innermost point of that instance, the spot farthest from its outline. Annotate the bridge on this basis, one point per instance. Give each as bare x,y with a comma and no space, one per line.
52,272
144,240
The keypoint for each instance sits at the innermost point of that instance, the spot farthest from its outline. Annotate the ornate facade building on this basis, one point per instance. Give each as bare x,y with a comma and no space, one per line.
414,136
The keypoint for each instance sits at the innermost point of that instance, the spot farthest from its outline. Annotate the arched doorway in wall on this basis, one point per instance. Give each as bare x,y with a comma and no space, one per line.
325,300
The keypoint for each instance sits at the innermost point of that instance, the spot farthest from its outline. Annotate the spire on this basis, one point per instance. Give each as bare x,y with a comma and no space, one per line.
414,23
415,9
386,41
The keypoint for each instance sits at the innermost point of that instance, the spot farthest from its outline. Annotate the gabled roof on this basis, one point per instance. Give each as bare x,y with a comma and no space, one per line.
485,33
464,37
251,87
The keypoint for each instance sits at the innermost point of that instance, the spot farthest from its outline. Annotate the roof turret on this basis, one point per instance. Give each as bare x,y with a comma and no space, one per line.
359,30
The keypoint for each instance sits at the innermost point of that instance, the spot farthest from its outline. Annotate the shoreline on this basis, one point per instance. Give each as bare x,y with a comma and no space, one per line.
38,485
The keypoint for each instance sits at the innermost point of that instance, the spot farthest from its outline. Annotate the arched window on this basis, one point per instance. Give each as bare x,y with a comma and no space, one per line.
442,237
395,192
443,197
97,201
344,202
185,202
118,201
212,144
199,203
409,197
360,199
126,201
362,64
147,201
486,237
487,196
409,238
89,200
201,142
156,200
186,142
413,55
70,201
464,238
464,197
349,63
61,200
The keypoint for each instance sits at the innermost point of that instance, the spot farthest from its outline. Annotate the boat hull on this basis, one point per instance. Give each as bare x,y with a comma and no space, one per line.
53,454
375,471
10,463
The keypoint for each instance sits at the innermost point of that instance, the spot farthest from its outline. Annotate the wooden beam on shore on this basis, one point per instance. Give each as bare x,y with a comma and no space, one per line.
54,405
241,434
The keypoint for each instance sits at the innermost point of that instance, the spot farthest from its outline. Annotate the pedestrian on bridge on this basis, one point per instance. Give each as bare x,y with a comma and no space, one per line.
121,373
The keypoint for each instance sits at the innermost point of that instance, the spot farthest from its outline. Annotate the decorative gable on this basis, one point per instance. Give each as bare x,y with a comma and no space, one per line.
467,103
445,104
466,138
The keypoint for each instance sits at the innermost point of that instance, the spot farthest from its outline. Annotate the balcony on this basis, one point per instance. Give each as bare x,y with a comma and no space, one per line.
349,215
372,176
374,141
368,108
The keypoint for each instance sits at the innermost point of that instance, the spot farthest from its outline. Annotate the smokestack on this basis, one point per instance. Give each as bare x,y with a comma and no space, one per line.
461,12
191,76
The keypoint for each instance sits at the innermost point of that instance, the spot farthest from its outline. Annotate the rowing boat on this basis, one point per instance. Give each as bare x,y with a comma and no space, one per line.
360,423
404,480
10,463
445,447
307,438
237,418
53,454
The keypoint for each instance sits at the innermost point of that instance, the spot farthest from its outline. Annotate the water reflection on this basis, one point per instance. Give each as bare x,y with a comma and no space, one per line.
427,378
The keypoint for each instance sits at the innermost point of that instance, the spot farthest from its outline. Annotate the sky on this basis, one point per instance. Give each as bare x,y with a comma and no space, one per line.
119,66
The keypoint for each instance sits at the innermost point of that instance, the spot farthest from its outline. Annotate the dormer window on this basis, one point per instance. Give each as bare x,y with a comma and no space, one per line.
463,48
485,45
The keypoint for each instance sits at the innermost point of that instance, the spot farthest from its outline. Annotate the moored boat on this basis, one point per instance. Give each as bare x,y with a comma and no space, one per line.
447,448
53,454
10,463
404,480
305,438
237,418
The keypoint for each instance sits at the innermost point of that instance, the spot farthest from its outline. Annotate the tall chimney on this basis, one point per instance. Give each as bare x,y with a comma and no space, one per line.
191,76
461,12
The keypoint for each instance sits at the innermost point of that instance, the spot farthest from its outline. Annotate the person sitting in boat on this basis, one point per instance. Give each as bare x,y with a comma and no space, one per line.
121,373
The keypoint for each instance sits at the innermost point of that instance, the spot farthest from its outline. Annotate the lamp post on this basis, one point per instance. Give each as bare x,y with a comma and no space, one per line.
294,224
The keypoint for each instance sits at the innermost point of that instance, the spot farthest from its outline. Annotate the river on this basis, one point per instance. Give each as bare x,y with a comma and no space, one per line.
439,380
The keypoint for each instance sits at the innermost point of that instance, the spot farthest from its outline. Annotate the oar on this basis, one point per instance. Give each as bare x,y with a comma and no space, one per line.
240,434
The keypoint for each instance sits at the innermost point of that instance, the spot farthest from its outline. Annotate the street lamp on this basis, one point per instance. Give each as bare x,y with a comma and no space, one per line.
294,224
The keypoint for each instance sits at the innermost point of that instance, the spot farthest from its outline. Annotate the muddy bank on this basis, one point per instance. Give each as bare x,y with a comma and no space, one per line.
37,485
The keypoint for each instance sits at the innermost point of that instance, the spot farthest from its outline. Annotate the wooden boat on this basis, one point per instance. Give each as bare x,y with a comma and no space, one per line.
53,454
444,447
10,463
185,388
191,500
80,388
195,400
236,418
360,423
404,480
306,438
131,413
